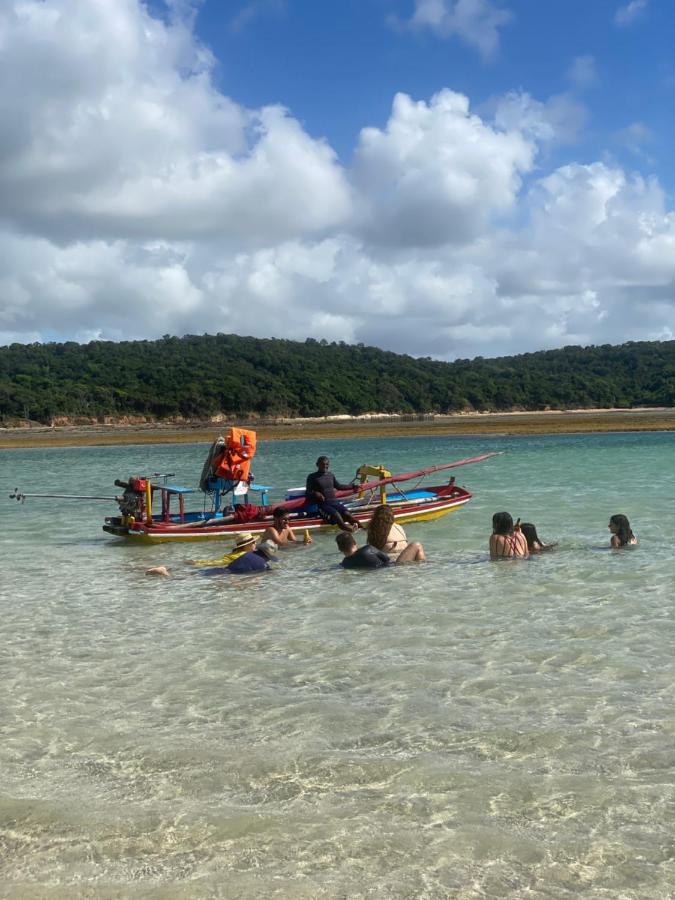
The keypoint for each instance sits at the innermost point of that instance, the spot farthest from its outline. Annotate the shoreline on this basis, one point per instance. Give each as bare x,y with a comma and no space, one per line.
460,424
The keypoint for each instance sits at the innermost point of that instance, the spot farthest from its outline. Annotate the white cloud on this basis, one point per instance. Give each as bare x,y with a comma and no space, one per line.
582,72
634,137
557,120
138,200
629,12
436,174
119,131
254,9
477,22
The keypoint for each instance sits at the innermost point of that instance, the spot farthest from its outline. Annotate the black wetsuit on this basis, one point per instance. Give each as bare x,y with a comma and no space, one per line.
366,557
326,483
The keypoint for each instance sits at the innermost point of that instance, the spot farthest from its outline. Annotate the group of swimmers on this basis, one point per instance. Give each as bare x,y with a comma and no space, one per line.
386,542
509,540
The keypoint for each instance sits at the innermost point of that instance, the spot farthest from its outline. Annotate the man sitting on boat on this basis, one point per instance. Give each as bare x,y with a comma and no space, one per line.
320,489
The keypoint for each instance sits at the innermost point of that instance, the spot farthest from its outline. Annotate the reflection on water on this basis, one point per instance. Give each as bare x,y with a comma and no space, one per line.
463,729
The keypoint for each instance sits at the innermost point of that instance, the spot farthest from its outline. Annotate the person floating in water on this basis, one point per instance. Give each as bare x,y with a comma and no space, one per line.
320,489
622,536
244,557
243,543
369,557
507,541
256,560
534,542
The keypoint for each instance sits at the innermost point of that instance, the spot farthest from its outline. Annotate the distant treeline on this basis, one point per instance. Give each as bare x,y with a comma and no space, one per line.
200,376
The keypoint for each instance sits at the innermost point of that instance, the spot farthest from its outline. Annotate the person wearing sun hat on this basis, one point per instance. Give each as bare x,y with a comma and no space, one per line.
244,557
256,560
242,544
244,541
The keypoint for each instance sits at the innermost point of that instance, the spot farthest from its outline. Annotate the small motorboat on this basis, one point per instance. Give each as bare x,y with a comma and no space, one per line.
152,510
374,485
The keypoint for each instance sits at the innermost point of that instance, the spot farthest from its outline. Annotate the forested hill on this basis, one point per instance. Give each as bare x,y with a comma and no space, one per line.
198,377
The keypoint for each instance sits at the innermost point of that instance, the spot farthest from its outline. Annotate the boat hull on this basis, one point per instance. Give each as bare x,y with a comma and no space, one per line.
419,506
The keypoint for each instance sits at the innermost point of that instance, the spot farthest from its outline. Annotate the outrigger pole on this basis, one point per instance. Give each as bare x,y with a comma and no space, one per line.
394,479
18,495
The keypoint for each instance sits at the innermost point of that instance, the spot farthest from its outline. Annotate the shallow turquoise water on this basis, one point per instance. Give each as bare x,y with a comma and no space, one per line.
462,729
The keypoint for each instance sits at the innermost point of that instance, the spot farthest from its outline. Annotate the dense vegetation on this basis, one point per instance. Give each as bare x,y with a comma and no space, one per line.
200,376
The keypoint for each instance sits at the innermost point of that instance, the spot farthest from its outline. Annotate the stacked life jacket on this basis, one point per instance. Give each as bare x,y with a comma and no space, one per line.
235,462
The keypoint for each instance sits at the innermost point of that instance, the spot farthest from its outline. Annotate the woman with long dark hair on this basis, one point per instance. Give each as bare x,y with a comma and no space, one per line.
534,542
622,536
507,541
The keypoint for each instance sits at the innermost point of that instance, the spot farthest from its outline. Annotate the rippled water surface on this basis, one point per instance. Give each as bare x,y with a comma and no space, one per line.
458,729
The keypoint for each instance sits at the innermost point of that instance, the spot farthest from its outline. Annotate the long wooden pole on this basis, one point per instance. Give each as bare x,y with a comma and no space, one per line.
19,495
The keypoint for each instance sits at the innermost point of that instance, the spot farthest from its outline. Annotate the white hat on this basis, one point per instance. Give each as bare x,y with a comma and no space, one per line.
243,540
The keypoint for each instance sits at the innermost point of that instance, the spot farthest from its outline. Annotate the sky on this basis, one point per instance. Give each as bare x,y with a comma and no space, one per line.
443,178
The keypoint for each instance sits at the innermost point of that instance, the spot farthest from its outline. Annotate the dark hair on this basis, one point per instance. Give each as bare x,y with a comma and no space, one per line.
321,459
502,523
345,541
531,535
623,530
280,512
380,526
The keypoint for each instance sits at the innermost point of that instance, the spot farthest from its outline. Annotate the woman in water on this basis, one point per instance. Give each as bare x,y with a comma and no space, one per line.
534,543
384,533
507,541
622,536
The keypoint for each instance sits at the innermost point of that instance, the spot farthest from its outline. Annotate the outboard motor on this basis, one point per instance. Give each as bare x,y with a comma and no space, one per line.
132,501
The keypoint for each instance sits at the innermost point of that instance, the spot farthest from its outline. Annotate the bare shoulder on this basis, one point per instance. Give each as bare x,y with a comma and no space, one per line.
521,544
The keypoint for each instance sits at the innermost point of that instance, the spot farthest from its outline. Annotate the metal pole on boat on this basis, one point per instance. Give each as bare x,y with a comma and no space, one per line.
20,496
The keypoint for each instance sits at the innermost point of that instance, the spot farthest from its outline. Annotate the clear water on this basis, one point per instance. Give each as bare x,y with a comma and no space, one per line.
459,729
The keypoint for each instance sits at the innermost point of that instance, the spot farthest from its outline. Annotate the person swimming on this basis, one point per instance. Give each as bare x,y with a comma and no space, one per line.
622,535
534,542
369,557
507,541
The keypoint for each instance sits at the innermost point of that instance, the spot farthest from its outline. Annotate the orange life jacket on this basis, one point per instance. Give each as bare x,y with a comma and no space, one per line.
235,462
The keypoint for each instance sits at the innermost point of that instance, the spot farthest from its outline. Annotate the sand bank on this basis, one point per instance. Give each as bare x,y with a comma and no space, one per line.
514,423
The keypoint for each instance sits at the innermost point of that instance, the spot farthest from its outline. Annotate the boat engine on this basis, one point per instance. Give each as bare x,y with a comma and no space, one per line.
132,501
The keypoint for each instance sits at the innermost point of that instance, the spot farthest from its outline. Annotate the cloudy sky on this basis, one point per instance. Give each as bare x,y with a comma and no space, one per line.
444,178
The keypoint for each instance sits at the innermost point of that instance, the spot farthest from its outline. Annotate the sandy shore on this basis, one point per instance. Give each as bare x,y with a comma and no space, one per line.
515,423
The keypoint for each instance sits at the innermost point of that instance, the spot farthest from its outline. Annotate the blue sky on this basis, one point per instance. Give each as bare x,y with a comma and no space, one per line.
336,65
444,178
